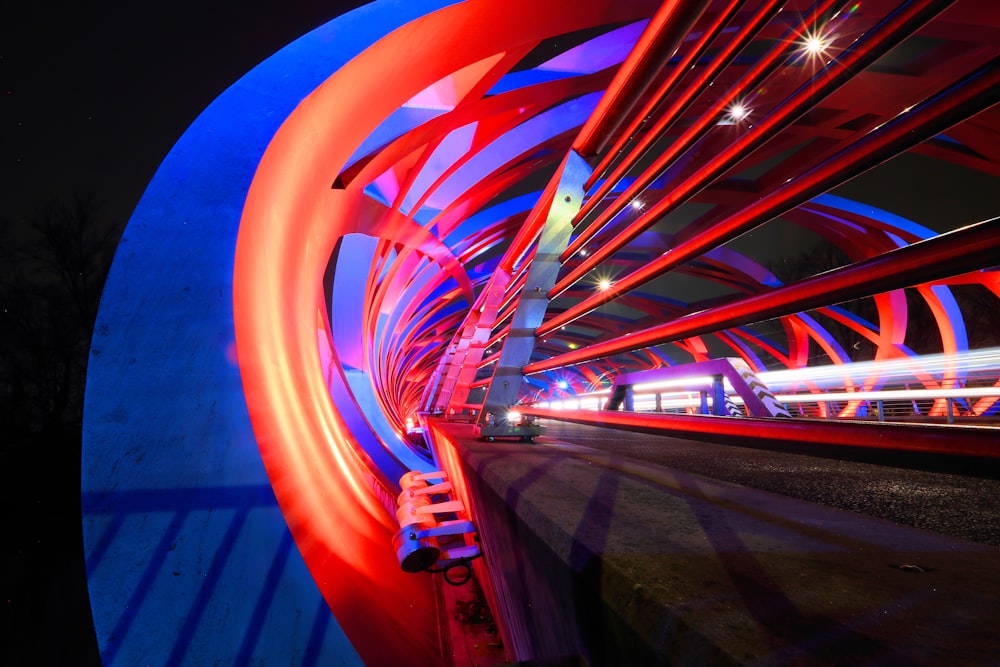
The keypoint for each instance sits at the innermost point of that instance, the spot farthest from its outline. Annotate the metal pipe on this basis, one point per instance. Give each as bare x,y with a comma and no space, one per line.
886,35
677,71
909,128
703,79
652,50
749,81
937,258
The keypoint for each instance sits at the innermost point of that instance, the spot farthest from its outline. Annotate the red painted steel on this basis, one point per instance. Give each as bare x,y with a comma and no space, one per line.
940,257
421,275
655,46
639,120
761,69
328,488
977,92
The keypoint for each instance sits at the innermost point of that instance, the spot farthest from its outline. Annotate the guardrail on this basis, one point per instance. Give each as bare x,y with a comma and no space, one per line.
881,405
963,440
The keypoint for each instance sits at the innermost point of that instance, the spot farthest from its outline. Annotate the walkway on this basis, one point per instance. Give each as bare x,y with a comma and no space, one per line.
623,561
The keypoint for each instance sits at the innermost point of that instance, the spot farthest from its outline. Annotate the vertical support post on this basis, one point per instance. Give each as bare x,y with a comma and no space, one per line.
881,410
718,396
703,408
449,388
951,410
629,399
505,387
444,376
659,402
427,401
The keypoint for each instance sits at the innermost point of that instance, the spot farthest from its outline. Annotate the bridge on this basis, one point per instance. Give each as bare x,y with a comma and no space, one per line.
765,232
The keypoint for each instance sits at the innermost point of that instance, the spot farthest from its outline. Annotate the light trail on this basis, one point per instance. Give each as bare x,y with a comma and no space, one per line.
983,363
979,365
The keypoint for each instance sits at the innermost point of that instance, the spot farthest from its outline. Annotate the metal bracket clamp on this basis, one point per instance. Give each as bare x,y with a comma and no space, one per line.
426,544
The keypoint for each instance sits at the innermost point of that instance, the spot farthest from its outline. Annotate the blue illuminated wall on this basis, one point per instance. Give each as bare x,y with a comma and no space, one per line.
189,558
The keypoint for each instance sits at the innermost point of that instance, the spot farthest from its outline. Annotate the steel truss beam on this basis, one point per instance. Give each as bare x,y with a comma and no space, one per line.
505,387
878,41
657,44
941,257
976,92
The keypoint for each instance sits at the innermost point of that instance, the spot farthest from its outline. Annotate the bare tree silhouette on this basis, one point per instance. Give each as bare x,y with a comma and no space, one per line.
53,265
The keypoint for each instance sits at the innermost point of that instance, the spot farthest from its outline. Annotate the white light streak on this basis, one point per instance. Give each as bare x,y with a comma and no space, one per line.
913,369
951,371
693,381
892,395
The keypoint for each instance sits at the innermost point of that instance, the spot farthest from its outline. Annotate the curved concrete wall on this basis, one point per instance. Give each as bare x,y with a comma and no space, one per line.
189,557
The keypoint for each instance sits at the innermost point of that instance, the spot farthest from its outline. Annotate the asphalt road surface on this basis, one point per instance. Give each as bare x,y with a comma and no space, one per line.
955,497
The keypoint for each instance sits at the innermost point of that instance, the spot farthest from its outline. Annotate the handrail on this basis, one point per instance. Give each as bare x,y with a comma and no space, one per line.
926,438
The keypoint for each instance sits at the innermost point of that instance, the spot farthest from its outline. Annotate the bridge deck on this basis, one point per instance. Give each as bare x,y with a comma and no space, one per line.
623,561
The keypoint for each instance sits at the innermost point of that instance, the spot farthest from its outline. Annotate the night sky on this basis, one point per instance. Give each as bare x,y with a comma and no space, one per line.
96,93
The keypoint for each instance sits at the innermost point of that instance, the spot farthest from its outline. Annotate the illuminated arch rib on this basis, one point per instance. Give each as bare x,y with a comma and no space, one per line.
882,32
402,178
293,220
439,163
